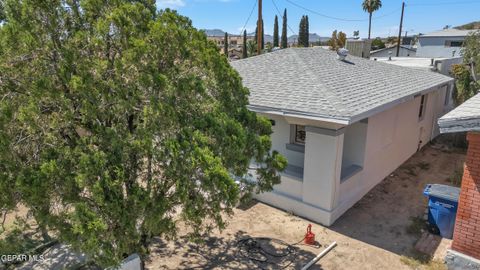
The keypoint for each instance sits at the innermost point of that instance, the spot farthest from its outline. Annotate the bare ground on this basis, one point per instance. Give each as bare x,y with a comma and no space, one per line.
374,234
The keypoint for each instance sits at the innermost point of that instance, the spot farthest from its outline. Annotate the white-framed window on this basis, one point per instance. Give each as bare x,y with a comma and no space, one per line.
298,135
422,108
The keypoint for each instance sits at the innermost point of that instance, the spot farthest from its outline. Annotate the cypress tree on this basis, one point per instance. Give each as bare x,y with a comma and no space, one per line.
263,36
307,32
284,30
300,32
244,46
225,44
302,39
275,32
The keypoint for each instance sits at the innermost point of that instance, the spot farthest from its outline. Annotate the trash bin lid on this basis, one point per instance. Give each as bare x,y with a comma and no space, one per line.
442,191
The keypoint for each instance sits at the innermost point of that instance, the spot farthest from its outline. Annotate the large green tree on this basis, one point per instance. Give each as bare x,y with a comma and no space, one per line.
378,43
333,42
371,6
284,40
117,121
275,32
467,74
342,39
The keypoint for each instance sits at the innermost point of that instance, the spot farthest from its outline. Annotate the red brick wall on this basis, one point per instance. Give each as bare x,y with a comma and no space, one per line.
466,236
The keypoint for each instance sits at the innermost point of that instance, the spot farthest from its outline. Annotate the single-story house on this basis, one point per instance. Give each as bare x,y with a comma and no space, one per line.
443,43
392,51
465,249
343,125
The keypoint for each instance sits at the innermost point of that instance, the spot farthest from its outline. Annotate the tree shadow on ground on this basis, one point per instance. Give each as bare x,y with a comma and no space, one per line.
238,252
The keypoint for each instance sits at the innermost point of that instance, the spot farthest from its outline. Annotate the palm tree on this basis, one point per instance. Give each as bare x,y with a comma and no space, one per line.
371,6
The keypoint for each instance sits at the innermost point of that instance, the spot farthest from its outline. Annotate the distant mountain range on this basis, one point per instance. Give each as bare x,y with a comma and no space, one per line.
268,38
469,26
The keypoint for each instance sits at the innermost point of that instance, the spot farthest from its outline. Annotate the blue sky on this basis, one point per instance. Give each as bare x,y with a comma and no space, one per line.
421,16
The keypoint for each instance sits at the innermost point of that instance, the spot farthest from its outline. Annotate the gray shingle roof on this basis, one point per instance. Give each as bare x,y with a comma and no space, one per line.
465,117
313,83
448,33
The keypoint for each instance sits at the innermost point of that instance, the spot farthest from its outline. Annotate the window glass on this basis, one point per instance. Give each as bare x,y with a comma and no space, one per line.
300,134
453,43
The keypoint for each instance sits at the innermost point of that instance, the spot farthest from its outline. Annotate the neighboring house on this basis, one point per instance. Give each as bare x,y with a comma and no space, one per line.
440,65
392,51
343,125
408,41
465,250
444,43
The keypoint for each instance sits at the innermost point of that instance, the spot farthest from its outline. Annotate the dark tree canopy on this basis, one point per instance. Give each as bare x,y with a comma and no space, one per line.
244,45
225,44
275,32
371,6
378,43
467,74
284,40
118,121
303,32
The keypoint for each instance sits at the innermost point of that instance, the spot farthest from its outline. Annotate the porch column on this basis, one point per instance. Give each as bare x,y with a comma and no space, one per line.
466,236
322,168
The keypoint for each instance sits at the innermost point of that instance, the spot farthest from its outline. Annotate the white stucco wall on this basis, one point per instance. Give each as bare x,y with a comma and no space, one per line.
435,47
392,137
281,137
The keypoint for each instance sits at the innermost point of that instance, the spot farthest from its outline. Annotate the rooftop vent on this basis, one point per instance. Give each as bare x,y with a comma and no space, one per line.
342,53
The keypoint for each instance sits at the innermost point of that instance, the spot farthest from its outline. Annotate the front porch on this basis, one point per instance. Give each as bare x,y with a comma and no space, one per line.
319,182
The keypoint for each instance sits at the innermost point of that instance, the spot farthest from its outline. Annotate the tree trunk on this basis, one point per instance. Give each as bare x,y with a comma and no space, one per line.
369,24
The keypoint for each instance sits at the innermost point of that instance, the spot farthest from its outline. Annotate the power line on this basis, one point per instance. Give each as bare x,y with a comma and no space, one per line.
249,16
337,18
280,15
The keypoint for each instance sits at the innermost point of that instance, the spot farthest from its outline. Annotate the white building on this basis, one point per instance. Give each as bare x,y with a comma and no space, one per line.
440,65
343,125
444,43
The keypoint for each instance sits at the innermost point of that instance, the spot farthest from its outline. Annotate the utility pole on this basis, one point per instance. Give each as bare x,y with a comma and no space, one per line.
400,30
259,28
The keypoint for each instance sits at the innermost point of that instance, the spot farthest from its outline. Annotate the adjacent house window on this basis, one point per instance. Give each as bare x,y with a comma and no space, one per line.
299,134
423,105
453,43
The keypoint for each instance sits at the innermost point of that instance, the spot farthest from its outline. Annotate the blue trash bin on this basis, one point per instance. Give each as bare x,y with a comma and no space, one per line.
442,207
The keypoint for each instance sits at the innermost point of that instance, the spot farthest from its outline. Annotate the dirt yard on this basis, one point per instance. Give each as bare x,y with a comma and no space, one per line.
379,232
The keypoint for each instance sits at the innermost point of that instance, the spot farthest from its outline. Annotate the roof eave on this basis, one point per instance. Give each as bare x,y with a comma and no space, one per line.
459,125
304,115
394,103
